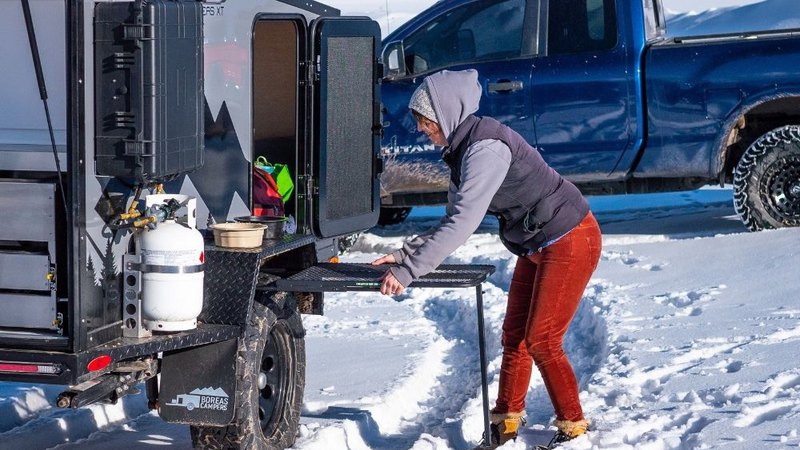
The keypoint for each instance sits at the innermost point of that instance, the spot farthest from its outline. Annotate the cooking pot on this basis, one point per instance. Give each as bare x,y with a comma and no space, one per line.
274,224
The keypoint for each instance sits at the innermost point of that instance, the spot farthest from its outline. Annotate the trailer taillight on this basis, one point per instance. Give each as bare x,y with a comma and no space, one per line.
99,363
28,368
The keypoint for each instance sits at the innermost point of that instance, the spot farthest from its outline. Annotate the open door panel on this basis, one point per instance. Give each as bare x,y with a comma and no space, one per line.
346,126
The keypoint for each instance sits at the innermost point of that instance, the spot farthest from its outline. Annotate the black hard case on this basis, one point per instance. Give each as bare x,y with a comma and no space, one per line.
149,87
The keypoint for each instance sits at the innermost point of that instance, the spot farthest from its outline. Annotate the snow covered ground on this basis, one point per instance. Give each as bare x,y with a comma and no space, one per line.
687,337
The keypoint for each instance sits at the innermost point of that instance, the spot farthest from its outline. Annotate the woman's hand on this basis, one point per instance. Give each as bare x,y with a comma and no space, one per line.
385,259
390,285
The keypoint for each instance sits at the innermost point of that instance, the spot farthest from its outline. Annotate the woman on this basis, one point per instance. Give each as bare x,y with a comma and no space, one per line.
544,220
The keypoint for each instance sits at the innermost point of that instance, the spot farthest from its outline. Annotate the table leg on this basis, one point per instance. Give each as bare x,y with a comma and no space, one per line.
487,430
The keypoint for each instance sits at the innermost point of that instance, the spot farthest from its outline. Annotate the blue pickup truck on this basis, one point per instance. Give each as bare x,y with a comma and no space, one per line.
608,99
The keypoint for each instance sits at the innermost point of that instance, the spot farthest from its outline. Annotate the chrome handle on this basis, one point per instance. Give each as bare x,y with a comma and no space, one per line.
505,86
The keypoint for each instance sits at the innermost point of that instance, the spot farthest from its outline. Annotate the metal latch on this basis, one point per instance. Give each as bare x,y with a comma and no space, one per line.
312,74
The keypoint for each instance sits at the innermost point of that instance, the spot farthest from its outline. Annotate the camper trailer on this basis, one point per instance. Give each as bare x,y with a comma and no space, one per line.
128,136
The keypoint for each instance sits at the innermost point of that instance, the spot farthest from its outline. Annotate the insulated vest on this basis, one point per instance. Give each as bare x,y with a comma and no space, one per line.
534,204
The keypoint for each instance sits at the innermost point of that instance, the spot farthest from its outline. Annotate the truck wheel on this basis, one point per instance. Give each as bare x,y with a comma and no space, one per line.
766,182
271,369
344,243
393,216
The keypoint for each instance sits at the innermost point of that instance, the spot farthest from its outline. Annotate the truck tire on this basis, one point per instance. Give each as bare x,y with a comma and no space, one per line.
345,243
393,216
271,367
766,181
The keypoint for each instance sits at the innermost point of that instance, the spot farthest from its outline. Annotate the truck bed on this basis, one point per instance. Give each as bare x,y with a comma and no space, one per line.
717,79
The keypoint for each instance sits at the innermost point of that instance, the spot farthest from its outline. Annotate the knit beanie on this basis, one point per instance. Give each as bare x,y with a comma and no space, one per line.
421,102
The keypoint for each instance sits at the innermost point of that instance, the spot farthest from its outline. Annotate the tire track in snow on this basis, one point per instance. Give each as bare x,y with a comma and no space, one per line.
461,385
143,431
21,403
52,426
455,379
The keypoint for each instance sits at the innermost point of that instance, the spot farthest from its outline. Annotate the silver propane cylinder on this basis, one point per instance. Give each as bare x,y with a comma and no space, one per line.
172,257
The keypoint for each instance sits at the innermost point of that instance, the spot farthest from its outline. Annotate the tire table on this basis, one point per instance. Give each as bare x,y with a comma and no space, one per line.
341,277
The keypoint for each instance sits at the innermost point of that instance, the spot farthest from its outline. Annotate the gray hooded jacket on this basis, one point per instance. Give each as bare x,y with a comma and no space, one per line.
483,179
455,96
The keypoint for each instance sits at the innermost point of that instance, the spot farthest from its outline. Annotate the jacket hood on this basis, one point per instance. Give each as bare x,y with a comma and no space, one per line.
454,95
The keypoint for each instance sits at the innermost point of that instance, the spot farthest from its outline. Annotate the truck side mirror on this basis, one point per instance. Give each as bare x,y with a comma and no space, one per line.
394,60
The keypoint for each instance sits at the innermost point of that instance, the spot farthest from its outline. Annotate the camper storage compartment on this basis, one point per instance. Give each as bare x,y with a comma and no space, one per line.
278,49
27,255
148,89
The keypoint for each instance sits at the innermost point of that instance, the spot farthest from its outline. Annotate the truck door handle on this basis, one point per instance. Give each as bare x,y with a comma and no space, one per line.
504,86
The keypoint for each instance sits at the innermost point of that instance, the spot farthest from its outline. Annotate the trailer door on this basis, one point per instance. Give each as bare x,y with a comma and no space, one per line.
345,134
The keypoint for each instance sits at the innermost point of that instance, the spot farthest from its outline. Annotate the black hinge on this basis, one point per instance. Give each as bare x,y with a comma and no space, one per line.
312,74
308,183
312,187
309,66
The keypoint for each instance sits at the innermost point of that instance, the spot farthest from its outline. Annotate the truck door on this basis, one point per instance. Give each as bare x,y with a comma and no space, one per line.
494,37
345,130
582,95
500,50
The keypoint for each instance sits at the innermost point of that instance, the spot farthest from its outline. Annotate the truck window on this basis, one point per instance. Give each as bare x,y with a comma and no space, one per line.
576,26
485,30
653,19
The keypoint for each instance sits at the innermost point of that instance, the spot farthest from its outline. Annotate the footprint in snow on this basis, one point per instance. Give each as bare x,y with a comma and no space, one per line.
785,381
752,416
719,397
628,259
687,303
779,397
734,366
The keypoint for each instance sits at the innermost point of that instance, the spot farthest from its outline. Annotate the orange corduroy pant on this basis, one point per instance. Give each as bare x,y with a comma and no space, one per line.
545,292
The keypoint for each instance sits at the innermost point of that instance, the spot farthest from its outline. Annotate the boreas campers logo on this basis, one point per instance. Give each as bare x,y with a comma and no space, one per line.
206,398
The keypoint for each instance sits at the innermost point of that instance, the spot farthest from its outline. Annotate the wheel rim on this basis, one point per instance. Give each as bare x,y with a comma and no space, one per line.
274,378
781,190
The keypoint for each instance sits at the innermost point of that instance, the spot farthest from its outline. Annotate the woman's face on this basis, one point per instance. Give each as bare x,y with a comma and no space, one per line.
432,130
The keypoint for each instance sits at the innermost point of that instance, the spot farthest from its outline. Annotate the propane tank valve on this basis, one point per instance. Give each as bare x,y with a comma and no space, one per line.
159,213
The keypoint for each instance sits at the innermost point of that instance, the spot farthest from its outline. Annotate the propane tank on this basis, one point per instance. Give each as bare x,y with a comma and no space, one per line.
171,254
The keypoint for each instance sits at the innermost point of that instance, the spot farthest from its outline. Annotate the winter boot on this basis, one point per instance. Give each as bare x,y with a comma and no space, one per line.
504,427
568,430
